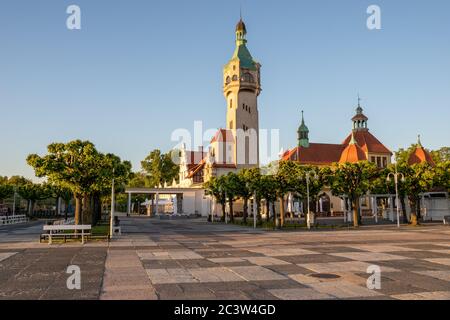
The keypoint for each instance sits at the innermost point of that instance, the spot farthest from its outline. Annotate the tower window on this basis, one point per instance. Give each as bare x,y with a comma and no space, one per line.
231,103
247,77
228,80
235,77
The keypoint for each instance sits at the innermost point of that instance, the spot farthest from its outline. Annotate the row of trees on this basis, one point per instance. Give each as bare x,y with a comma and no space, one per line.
350,180
32,192
79,169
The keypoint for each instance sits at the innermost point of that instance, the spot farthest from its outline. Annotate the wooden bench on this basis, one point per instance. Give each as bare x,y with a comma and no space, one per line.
59,231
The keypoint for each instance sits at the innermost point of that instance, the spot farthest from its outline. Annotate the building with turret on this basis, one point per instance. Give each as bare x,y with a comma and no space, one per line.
237,145
359,145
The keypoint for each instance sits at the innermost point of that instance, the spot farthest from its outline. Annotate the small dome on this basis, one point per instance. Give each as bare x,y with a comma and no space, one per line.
352,153
241,26
420,155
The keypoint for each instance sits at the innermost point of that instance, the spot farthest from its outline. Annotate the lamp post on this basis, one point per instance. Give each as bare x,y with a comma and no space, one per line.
308,178
396,175
111,223
14,204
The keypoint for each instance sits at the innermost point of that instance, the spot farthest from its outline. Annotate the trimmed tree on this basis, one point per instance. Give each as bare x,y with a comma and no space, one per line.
353,180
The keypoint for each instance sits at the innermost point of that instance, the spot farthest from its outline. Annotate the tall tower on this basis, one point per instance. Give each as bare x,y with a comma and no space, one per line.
241,88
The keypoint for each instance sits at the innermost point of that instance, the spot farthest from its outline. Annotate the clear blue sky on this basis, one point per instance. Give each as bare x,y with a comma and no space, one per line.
140,69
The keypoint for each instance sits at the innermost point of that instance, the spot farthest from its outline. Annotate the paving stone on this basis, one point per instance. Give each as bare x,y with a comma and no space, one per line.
257,273
444,261
313,258
368,256
299,294
443,295
343,289
288,269
266,261
439,274
333,267
423,282
218,274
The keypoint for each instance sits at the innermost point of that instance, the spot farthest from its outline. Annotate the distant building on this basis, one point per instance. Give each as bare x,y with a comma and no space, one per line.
359,145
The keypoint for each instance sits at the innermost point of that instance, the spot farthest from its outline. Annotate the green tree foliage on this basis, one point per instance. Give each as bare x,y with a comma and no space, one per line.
33,192
419,179
215,187
441,155
442,176
353,180
79,167
6,191
160,168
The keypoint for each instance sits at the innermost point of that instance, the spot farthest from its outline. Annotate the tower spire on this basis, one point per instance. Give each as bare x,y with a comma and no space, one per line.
303,134
419,143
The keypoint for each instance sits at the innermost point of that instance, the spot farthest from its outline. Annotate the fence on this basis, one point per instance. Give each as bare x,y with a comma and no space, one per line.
13,219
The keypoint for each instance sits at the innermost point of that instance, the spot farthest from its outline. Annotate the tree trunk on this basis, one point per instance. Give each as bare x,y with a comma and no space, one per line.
66,209
274,213
405,216
96,209
267,211
230,202
414,217
258,209
245,210
224,212
57,207
282,213
418,207
30,207
355,208
77,209
87,210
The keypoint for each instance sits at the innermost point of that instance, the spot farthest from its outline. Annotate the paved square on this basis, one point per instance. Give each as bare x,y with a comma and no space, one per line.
193,260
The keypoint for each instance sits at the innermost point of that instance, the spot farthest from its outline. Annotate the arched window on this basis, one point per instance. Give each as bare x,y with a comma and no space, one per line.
228,80
231,103
235,77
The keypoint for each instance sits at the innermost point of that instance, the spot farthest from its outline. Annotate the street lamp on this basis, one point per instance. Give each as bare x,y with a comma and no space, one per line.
111,223
396,175
14,205
308,179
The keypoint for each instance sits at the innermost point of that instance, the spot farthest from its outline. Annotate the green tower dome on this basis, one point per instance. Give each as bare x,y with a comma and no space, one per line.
303,134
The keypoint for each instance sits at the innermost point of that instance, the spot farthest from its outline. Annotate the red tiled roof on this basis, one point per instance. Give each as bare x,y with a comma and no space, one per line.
352,153
316,153
223,135
367,142
420,155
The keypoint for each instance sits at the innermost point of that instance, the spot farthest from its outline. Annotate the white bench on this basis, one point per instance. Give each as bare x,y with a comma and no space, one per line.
59,230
